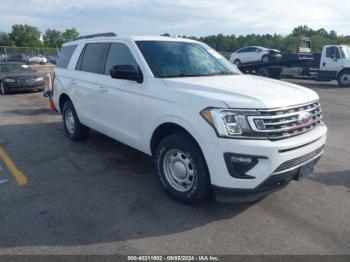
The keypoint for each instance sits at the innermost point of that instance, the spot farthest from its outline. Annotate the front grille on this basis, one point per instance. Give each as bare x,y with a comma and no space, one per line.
296,162
286,122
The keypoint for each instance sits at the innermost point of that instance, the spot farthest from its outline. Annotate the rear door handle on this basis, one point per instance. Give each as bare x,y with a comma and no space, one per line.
103,89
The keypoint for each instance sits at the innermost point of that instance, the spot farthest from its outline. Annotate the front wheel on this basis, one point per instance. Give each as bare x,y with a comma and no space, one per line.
265,59
74,129
3,90
182,169
344,78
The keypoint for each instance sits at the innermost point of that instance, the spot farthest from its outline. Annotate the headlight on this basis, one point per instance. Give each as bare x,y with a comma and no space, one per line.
229,122
39,79
9,80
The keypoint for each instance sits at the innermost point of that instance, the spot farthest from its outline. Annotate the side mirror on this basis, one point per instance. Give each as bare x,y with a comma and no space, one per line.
127,72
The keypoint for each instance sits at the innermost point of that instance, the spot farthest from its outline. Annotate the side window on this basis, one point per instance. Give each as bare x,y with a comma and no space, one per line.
92,58
65,56
329,51
244,50
119,54
337,53
333,52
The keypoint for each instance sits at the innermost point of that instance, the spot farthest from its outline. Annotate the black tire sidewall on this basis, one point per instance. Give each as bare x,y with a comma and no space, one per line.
80,131
263,72
340,75
265,57
237,62
200,188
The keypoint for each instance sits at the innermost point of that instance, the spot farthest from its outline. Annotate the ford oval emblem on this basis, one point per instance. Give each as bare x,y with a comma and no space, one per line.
304,118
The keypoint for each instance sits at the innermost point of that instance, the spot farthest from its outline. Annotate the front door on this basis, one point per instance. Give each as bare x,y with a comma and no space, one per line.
331,61
119,101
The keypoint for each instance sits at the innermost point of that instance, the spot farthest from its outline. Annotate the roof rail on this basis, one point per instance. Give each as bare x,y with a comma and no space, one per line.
96,35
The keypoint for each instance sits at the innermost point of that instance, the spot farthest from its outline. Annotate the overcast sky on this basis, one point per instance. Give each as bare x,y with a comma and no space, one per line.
177,17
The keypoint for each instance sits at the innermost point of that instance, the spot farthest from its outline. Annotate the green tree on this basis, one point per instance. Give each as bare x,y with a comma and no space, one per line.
70,35
5,40
25,35
53,38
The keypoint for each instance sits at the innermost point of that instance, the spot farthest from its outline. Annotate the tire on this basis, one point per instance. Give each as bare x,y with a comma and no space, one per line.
40,90
182,169
265,59
344,78
75,130
3,90
263,72
237,62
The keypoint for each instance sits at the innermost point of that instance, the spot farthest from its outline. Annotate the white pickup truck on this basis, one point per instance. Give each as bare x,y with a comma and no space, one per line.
207,126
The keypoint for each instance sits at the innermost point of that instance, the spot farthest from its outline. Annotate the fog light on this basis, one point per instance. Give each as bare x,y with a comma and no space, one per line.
238,165
239,159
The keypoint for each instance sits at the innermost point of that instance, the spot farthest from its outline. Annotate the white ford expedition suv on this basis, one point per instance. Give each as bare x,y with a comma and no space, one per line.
208,127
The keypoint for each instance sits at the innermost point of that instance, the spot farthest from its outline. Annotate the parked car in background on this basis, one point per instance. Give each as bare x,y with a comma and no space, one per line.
16,76
207,126
37,60
254,54
17,58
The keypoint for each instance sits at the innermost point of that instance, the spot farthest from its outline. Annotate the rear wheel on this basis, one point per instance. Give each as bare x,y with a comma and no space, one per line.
182,169
3,90
344,78
74,129
263,72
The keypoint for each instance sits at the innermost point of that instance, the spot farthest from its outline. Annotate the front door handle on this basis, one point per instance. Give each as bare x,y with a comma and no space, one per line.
103,89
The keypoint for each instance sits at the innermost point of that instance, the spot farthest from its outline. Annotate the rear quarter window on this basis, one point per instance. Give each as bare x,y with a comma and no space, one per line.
65,56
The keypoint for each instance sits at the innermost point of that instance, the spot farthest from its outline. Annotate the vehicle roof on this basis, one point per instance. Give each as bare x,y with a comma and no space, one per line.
131,39
255,46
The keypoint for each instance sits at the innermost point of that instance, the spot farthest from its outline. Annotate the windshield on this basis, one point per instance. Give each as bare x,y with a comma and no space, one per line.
184,59
345,51
14,68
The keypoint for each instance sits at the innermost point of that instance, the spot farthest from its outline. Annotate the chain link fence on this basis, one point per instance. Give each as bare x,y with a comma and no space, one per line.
29,55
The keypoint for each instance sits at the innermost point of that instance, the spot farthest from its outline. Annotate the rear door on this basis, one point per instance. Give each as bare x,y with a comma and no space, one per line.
84,83
119,101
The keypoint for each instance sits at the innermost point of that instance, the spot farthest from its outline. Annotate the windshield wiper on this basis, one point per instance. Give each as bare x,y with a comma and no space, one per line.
183,75
223,73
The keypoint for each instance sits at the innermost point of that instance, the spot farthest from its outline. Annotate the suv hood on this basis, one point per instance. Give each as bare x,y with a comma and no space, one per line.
244,91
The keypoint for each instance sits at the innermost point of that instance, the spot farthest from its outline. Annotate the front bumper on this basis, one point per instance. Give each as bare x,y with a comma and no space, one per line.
275,158
272,184
17,86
